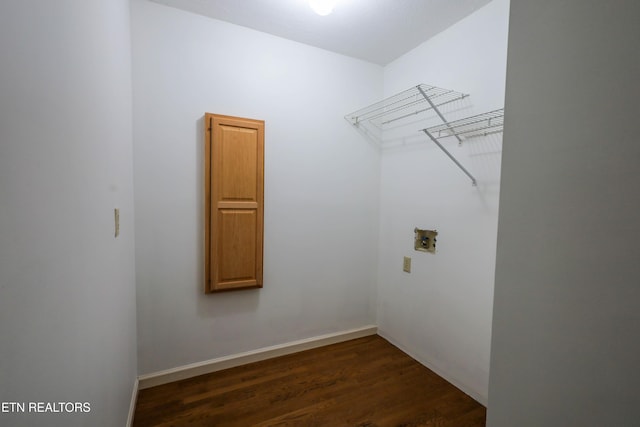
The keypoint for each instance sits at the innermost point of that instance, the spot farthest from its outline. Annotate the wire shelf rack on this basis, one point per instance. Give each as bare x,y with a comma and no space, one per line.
423,98
470,127
413,101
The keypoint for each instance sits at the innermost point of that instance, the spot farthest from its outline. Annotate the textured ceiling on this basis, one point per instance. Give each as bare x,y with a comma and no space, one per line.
377,31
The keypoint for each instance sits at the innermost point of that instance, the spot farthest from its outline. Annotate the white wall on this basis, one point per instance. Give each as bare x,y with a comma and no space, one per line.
566,325
440,313
67,291
321,187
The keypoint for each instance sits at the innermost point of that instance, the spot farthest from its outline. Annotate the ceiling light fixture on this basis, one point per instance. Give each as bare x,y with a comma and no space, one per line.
322,7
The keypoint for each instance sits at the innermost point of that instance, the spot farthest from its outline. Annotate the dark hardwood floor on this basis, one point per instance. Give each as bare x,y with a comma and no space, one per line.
363,382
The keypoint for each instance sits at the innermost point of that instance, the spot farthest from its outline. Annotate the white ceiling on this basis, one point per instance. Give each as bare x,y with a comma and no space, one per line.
377,31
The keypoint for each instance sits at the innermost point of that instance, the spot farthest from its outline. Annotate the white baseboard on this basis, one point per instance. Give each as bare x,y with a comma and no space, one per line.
471,393
132,405
213,365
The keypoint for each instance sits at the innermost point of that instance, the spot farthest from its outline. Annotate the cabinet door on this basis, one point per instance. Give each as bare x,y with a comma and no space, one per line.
234,195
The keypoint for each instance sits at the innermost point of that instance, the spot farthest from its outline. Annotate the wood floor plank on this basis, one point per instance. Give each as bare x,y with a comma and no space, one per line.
365,382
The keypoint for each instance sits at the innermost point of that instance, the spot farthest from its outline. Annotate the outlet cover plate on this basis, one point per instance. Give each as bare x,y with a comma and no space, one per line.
406,265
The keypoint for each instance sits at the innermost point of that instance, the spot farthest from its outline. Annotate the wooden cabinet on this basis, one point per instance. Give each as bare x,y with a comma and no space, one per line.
234,199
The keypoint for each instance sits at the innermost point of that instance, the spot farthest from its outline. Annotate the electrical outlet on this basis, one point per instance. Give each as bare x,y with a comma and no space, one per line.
406,266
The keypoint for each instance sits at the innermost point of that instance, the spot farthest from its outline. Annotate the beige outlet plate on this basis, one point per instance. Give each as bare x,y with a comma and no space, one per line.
406,265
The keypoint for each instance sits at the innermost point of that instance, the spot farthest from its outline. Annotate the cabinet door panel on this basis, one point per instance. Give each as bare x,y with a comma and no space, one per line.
239,163
237,246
